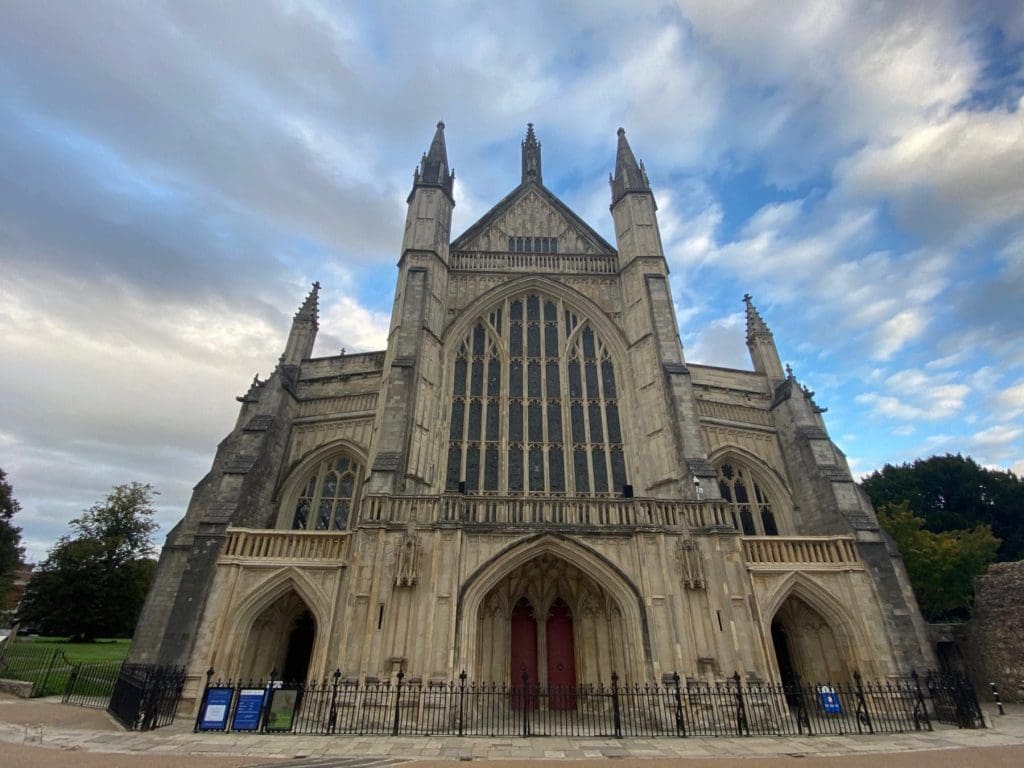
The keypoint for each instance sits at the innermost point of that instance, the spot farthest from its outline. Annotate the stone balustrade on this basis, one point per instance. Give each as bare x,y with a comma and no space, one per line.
535,262
259,544
583,512
784,552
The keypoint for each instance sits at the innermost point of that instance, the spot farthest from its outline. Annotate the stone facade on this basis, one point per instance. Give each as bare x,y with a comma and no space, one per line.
530,478
995,633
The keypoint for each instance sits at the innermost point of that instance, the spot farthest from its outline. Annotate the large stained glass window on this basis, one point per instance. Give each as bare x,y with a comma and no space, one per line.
327,496
534,405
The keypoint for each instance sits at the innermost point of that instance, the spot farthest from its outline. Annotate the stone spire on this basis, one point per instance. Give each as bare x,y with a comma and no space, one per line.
761,343
304,327
433,169
531,157
630,176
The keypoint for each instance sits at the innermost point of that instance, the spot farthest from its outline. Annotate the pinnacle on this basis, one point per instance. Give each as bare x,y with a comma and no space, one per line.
755,323
630,175
433,169
531,157
310,309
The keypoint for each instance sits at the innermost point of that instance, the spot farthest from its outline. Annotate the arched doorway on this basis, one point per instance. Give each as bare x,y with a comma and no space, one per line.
805,645
280,641
555,622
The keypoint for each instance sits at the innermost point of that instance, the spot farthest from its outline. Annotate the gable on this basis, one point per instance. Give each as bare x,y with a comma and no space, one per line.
530,210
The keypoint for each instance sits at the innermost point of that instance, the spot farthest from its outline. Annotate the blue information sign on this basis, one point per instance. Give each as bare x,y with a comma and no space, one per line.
829,700
214,716
248,710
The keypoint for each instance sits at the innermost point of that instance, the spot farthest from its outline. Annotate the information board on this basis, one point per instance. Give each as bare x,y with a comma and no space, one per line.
248,710
281,710
829,700
216,706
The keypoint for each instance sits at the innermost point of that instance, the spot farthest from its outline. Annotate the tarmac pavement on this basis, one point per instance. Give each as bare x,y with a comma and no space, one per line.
43,732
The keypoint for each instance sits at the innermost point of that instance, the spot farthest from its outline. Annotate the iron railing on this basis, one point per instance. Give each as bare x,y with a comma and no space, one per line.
676,707
146,696
47,669
91,684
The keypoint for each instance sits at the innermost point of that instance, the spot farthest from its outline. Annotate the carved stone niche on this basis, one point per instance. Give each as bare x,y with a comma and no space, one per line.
691,564
405,559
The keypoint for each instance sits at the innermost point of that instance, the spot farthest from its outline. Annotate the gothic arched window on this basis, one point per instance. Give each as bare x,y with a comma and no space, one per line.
534,405
752,508
327,496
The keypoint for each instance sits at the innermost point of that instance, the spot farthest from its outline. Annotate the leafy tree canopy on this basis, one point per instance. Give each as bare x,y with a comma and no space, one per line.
11,551
951,493
93,584
941,566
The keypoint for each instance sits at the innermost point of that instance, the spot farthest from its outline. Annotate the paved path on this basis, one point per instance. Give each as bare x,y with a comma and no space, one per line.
42,733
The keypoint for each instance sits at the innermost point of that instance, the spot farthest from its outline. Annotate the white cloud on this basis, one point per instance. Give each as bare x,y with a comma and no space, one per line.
913,395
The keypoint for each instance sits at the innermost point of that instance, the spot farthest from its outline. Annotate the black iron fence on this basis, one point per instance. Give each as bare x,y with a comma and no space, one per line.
145,696
674,708
91,684
47,669
954,699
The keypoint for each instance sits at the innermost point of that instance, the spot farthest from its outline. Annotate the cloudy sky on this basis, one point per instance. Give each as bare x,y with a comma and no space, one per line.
174,175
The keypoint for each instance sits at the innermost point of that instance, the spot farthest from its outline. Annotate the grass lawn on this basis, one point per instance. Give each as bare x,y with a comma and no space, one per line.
101,650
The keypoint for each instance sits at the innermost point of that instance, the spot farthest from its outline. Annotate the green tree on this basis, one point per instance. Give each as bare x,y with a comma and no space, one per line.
955,493
11,551
941,566
93,584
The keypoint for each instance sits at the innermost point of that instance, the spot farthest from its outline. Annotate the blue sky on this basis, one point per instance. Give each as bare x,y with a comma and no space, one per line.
173,176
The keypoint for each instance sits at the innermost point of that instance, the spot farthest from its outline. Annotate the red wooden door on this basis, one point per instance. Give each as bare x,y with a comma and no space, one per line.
524,653
561,658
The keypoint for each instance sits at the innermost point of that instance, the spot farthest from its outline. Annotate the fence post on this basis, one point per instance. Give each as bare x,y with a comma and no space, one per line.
680,724
995,695
920,710
462,699
332,725
616,714
398,697
802,718
526,705
863,716
741,707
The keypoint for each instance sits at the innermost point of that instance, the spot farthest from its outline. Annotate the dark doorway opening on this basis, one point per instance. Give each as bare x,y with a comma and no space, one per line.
300,649
784,660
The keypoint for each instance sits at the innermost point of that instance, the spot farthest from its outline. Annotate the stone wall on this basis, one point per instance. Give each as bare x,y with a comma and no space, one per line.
995,633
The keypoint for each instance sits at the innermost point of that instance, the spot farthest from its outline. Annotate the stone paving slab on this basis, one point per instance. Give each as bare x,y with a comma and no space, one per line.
45,723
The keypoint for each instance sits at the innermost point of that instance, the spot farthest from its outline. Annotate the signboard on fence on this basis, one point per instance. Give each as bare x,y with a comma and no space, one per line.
281,710
829,700
248,710
216,707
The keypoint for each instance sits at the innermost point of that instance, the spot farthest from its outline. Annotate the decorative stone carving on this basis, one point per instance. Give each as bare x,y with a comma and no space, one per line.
405,559
691,564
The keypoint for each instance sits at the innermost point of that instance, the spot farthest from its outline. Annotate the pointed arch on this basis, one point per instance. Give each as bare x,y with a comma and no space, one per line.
845,628
537,408
624,593
311,465
768,480
263,596
479,307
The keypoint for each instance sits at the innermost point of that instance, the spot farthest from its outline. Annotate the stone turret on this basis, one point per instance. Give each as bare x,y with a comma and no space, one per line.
630,176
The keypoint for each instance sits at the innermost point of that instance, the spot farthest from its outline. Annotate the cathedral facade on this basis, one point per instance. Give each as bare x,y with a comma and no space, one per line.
530,479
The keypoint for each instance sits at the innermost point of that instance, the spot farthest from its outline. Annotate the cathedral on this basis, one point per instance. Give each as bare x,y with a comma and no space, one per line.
530,480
